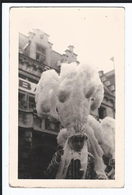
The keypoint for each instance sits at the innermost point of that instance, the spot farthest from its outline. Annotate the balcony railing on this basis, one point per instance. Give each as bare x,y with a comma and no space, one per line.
32,105
23,105
26,105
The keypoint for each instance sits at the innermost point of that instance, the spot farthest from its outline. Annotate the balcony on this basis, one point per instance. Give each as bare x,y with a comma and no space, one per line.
27,106
28,119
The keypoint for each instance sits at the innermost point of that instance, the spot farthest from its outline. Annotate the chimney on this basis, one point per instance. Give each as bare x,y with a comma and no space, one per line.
71,47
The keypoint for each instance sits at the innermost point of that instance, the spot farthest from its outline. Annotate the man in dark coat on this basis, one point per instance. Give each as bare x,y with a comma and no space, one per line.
73,161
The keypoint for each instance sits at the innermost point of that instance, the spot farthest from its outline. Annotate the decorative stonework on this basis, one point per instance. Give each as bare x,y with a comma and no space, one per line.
107,84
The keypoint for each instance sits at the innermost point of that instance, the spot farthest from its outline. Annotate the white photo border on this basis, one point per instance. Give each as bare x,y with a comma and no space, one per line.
5,93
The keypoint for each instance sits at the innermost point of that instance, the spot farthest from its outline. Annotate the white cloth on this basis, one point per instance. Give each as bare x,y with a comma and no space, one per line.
70,154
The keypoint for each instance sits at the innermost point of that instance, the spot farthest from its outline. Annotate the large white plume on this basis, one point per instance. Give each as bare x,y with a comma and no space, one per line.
79,84
71,93
46,94
108,128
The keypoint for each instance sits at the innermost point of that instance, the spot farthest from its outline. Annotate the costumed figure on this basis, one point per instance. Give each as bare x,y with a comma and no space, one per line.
69,97
104,131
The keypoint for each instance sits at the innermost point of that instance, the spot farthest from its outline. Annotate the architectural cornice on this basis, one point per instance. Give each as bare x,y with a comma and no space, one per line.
109,96
31,61
29,74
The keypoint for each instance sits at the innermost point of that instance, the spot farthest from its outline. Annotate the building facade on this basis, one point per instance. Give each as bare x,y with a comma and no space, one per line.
37,137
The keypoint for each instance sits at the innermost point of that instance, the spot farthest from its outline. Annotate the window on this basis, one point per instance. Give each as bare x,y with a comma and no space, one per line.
26,101
40,49
102,112
22,101
32,102
40,58
40,53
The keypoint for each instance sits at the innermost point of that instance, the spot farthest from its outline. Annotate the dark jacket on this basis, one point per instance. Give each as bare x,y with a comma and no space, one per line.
73,169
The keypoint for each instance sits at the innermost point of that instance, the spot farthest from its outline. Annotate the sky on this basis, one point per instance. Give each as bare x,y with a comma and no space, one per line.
95,33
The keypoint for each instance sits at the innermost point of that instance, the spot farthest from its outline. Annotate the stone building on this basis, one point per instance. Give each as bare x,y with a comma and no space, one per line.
37,137
107,107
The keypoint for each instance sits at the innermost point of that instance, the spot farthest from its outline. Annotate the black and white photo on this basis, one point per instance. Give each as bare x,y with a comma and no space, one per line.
68,66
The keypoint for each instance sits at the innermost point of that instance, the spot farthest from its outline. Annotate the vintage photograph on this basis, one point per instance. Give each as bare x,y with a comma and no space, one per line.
67,70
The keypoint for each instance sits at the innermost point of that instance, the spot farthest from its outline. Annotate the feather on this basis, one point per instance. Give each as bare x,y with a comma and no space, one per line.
46,93
71,94
108,127
62,137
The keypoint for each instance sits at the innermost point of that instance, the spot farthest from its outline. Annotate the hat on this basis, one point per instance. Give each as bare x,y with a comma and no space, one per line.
69,133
